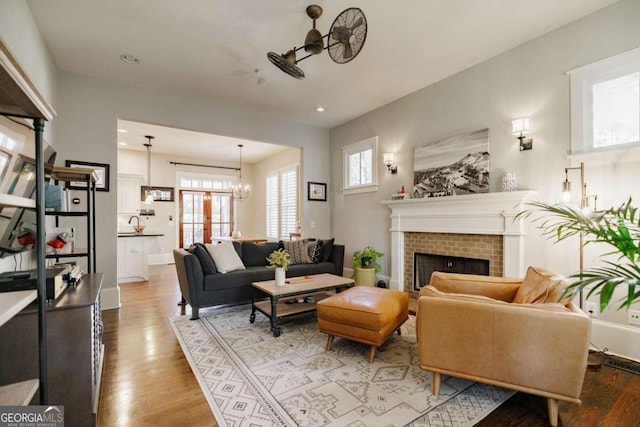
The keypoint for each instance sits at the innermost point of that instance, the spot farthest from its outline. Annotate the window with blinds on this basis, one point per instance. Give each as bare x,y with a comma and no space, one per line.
282,202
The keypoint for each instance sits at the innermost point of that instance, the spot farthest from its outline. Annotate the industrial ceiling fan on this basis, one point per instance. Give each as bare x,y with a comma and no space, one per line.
344,40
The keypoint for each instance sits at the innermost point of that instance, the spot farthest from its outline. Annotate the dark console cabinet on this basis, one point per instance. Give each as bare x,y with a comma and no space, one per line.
74,349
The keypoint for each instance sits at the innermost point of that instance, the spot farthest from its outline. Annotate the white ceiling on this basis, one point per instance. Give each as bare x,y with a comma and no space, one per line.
211,47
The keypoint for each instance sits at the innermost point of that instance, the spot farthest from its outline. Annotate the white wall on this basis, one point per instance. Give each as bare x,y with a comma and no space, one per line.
88,111
530,81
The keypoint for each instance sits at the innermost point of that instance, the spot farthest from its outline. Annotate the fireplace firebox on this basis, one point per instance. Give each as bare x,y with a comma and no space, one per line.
425,264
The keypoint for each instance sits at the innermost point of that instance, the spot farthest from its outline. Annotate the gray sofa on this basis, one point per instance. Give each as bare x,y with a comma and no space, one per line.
202,287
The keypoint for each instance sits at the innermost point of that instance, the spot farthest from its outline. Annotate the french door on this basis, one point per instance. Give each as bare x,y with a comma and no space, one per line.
204,215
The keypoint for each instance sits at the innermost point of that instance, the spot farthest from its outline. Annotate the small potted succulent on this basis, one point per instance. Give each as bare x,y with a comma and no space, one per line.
365,265
280,260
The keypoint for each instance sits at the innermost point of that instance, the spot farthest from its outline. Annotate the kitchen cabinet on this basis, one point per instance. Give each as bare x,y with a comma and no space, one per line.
132,259
129,194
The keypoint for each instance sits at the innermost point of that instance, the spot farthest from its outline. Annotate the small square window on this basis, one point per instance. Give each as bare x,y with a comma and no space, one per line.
360,166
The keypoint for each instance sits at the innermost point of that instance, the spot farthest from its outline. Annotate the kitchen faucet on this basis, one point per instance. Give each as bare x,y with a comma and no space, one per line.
137,228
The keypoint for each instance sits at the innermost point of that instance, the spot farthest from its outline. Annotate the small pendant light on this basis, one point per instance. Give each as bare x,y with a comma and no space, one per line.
241,189
149,199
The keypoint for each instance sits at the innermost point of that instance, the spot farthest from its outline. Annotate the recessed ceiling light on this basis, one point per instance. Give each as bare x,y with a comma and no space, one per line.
122,130
320,109
129,59
122,143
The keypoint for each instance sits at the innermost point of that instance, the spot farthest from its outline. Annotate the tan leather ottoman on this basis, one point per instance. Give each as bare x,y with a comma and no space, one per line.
363,314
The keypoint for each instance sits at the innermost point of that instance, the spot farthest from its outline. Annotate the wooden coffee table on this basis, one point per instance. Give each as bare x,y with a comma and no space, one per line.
315,287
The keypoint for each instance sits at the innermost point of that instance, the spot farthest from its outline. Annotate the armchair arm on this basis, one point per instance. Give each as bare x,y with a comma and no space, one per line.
190,276
541,350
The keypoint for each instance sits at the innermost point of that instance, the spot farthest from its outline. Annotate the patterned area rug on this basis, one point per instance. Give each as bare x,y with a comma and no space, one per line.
251,378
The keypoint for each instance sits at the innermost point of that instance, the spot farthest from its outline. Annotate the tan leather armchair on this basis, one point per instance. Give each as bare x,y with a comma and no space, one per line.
512,333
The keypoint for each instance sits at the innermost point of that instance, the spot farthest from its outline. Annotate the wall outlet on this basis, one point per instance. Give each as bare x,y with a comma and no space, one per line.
634,317
592,309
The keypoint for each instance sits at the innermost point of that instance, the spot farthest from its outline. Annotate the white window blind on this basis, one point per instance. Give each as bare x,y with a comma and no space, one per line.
273,197
289,202
282,202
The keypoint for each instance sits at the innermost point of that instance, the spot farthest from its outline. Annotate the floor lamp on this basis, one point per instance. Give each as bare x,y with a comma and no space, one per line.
585,208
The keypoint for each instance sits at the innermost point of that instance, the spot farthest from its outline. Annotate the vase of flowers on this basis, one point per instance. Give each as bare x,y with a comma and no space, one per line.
279,260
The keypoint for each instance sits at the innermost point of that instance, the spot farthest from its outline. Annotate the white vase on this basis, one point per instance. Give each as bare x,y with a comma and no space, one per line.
509,182
280,275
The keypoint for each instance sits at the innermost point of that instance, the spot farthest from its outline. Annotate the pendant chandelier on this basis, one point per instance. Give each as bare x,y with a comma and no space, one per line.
241,189
149,198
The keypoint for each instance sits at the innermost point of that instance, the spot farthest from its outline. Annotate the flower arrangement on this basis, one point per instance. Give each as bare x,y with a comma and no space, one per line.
280,258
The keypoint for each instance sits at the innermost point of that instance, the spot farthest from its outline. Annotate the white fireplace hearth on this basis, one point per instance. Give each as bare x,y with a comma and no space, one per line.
484,214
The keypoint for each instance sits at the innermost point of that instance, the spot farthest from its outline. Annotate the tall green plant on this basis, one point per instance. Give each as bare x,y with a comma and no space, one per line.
618,228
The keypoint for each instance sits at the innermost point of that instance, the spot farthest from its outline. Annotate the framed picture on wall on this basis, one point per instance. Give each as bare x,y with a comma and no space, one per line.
102,171
317,191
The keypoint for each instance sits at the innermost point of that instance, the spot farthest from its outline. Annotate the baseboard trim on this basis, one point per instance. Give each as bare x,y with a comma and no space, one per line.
620,340
110,297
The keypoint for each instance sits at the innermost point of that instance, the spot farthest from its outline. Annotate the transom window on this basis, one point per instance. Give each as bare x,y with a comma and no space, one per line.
360,161
605,103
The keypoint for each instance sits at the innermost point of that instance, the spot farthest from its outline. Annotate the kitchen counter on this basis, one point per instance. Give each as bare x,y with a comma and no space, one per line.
143,234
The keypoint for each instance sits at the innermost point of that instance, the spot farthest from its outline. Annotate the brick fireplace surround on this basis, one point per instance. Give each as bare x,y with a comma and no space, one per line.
474,226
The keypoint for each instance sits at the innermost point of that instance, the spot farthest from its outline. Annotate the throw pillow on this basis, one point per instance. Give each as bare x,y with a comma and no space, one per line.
327,248
536,286
298,251
255,254
315,251
206,262
225,257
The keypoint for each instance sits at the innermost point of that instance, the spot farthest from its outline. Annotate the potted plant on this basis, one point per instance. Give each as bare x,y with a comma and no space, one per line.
617,227
280,260
365,265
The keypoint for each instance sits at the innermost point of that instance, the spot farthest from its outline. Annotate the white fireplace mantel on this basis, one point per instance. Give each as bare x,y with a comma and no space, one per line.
488,213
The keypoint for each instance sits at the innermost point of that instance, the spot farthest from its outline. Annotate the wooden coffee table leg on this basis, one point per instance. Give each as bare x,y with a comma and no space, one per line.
274,317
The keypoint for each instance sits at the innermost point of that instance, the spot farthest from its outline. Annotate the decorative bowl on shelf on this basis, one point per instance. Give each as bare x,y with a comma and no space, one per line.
138,228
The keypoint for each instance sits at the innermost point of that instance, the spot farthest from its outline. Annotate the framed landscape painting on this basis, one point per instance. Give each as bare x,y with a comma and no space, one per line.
452,166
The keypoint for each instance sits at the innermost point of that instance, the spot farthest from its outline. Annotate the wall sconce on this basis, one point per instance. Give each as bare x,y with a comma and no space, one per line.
520,129
389,160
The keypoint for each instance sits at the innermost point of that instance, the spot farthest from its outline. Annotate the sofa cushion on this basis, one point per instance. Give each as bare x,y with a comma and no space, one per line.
255,254
298,251
500,288
238,278
203,255
537,285
306,269
225,257
327,248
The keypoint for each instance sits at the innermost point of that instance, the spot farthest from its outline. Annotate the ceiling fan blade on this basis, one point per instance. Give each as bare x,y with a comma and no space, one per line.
348,52
357,23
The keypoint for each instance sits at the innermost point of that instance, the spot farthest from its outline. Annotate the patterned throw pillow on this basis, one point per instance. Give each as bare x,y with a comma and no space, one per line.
315,251
298,251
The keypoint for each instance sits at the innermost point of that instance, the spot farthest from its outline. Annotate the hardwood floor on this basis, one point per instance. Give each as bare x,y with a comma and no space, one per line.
147,380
